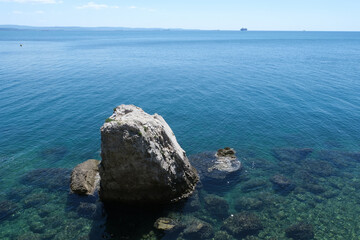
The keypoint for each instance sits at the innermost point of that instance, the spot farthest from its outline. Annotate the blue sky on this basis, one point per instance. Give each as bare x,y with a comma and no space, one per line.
336,15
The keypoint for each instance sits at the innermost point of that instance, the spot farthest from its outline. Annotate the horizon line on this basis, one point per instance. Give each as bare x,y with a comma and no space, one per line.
23,27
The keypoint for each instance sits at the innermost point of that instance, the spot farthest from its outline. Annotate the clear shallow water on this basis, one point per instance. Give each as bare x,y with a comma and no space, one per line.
254,91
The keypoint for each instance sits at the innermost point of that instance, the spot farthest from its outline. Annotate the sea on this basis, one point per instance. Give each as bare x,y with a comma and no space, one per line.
287,102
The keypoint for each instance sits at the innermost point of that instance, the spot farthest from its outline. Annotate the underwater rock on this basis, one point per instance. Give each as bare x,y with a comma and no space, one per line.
19,192
84,177
218,165
7,208
222,235
53,154
193,202
36,199
300,231
339,158
314,188
197,229
53,179
248,203
166,224
216,205
29,236
142,161
242,224
254,185
292,154
305,176
318,167
282,184
87,210
37,227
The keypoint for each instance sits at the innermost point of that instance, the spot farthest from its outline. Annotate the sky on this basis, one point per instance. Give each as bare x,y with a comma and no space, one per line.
311,15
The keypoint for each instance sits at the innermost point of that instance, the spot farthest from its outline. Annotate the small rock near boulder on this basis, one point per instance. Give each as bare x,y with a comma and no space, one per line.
217,165
84,177
166,224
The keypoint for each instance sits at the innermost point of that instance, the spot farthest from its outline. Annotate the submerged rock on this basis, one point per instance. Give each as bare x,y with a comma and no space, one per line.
282,184
314,188
54,153
318,167
197,229
300,231
292,154
36,199
216,205
7,208
248,203
254,185
141,160
243,224
87,210
216,165
166,224
222,235
53,179
84,177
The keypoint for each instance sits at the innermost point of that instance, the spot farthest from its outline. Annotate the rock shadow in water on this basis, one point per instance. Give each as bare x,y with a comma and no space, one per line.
52,179
53,154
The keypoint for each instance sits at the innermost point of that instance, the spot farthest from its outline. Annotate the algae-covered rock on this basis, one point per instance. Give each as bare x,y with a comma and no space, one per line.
142,161
53,179
166,224
248,203
254,185
282,183
7,208
216,205
292,154
300,231
318,167
242,224
222,235
197,229
84,177
36,199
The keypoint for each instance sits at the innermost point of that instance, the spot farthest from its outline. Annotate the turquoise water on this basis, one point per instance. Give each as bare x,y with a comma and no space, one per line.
262,93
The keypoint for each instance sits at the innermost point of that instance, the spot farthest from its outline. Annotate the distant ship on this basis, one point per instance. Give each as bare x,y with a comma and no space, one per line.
243,29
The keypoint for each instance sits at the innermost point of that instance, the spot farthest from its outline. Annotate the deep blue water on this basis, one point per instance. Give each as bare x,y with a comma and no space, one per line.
253,91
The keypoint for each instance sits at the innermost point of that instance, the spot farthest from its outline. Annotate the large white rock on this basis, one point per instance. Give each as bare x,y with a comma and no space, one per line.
141,160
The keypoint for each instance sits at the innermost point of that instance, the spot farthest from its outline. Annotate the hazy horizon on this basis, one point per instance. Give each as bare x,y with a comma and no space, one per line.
259,15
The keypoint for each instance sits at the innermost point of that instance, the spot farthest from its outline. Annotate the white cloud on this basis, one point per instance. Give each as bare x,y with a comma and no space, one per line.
39,12
96,6
17,12
143,9
33,1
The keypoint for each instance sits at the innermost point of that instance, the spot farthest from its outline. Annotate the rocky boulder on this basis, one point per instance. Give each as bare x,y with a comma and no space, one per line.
142,162
85,177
